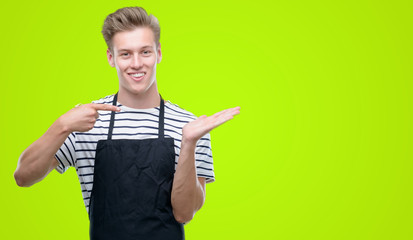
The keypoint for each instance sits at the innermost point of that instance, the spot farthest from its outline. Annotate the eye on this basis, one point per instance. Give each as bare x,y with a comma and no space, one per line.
146,52
124,54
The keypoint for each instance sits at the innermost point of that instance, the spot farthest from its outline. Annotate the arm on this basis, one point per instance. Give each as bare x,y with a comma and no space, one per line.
188,190
38,160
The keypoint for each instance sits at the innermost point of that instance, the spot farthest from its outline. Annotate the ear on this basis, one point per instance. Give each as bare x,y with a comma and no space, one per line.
159,53
110,58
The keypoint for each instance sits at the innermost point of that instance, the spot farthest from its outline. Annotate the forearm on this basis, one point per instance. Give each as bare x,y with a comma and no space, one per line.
188,194
38,159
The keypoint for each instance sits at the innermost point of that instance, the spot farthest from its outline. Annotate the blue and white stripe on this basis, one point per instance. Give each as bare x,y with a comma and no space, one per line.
79,148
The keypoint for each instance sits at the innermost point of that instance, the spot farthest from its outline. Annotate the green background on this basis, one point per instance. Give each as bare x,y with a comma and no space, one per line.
322,148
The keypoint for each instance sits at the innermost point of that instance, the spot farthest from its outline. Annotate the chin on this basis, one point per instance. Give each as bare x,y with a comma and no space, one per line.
137,88
137,91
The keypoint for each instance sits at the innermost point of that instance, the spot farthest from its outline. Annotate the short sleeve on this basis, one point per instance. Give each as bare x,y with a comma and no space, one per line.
66,155
203,159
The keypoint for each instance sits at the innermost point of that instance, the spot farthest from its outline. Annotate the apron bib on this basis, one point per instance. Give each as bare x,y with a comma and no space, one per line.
132,185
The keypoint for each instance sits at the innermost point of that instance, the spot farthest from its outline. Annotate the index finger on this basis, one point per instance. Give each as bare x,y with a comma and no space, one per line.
105,107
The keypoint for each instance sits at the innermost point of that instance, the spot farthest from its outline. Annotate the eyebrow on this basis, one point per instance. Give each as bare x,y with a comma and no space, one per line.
125,49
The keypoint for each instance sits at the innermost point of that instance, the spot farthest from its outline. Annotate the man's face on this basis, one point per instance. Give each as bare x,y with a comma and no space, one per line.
135,57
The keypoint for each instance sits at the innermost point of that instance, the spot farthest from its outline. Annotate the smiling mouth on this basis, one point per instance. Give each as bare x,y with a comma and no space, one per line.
137,76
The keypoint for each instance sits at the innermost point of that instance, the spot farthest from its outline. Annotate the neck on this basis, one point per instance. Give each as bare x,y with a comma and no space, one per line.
149,99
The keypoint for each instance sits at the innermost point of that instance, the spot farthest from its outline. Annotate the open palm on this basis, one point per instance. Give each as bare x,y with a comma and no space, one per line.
194,130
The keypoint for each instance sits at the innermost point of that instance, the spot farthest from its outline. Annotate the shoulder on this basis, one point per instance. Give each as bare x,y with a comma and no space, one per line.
105,100
174,111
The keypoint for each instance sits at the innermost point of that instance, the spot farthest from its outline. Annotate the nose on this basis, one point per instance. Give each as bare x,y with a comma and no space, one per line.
136,61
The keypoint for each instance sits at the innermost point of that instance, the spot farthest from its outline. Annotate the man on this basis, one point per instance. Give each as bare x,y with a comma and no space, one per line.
142,162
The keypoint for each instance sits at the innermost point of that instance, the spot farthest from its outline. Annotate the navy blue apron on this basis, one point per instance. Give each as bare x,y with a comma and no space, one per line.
132,185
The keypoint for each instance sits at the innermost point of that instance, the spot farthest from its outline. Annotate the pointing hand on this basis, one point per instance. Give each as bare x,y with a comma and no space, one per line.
83,117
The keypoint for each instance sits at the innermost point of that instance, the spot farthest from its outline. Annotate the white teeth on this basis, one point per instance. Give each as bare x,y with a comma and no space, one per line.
137,74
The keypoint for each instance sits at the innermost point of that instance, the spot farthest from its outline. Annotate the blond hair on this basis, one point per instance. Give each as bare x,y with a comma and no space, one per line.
127,19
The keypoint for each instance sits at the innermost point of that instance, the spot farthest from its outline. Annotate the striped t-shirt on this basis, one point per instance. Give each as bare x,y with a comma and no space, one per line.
79,148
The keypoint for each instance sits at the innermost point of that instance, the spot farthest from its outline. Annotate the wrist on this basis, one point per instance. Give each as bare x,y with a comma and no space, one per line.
188,142
62,126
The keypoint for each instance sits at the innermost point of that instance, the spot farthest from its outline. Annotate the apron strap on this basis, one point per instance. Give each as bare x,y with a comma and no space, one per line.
112,117
160,121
